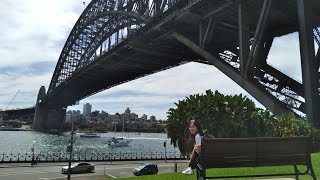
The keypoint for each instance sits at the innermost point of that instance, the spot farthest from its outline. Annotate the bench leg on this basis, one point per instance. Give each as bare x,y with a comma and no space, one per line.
296,171
309,166
312,173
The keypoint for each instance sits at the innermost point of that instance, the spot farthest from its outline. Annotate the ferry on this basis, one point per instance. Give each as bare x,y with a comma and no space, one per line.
90,135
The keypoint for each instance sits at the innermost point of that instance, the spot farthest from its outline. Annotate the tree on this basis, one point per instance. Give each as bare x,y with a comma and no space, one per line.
230,116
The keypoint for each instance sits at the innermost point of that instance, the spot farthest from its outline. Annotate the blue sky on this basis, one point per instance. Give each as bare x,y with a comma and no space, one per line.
32,37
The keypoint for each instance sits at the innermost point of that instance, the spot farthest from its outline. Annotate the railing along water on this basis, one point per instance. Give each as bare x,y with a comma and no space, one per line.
107,156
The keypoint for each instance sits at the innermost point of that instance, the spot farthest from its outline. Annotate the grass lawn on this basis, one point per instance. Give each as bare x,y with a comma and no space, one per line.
237,171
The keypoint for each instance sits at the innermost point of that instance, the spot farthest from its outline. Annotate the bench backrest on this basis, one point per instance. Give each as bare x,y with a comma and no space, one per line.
261,151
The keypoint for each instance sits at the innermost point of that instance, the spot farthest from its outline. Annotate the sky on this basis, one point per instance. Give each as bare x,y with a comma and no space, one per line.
33,34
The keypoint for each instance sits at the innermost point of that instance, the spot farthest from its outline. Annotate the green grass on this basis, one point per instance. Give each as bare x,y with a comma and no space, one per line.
237,171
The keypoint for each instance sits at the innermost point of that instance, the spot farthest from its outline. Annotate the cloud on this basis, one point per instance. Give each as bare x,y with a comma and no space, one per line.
35,30
32,36
285,56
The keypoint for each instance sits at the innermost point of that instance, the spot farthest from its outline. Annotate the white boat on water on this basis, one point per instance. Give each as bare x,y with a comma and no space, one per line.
89,136
118,141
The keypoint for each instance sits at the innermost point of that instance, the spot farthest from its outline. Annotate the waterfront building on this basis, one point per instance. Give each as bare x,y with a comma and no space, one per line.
76,113
87,110
144,117
68,117
133,117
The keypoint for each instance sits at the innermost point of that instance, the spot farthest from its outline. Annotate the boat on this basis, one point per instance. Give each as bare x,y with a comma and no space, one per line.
90,135
118,141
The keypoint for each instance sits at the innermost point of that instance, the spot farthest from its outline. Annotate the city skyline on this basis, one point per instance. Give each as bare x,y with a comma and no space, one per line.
127,109
35,34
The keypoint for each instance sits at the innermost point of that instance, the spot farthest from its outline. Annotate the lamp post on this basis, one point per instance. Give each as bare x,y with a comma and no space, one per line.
70,149
165,150
32,149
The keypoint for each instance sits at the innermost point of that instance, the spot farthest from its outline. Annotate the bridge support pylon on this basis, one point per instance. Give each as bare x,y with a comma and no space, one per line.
46,118
41,111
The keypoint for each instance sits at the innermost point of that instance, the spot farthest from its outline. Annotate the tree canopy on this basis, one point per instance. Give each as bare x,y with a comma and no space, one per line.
226,116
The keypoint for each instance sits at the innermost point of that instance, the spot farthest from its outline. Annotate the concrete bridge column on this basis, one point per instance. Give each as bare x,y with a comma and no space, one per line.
41,114
47,119
56,120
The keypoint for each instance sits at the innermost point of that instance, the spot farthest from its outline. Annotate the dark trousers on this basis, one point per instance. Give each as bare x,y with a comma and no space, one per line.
193,163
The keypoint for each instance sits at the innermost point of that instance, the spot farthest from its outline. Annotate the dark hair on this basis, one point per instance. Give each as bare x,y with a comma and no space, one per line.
197,124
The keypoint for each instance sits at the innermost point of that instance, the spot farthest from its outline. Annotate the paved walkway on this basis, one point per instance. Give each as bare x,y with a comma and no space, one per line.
94,177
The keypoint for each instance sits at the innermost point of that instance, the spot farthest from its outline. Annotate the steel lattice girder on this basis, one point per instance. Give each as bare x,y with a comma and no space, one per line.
88,31
284,88
100,20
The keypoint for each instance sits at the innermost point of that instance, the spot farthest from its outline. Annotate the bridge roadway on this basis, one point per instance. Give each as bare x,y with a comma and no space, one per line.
52,171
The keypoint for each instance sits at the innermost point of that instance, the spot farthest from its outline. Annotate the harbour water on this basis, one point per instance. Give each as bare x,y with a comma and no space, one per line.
22,141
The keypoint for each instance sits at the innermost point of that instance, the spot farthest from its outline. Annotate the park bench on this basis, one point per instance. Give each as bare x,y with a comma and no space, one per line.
255,152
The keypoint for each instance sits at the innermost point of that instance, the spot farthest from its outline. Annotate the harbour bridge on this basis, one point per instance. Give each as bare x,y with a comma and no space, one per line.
116,41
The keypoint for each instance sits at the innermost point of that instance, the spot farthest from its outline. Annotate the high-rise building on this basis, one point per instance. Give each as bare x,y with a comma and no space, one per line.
152,118
87,110
127,111
126,115
144,117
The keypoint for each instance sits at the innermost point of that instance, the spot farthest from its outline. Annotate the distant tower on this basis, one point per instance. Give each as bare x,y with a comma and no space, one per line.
127,111
87,110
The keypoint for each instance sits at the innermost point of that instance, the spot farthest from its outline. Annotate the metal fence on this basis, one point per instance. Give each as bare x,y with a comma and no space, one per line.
108,156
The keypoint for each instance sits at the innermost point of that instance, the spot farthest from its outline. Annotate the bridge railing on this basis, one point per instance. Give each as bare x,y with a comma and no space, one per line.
107,156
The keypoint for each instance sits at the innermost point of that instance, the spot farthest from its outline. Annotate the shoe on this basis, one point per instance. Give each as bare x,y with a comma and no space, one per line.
188,171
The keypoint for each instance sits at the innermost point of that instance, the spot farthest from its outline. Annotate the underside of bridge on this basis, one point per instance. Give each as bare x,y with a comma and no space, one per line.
114,42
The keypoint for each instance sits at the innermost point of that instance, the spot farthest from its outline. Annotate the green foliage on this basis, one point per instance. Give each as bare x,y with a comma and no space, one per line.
230,116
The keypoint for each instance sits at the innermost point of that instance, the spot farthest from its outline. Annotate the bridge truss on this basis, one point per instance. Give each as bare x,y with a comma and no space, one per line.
204,31
277,83
103,25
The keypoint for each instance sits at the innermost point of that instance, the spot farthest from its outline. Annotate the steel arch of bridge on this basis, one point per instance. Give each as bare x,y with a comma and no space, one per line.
102,25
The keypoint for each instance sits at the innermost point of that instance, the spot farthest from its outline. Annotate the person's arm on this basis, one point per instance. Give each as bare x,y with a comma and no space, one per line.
197,146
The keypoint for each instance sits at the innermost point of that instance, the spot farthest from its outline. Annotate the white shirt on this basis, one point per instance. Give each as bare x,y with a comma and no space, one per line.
197,139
